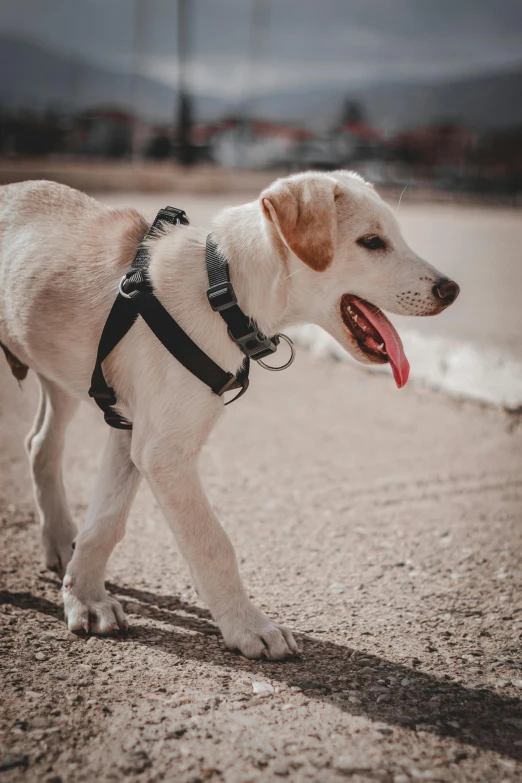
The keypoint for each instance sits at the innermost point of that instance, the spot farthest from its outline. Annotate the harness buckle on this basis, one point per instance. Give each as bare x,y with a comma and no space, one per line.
172,215
221,296
231,383
108,397
255,345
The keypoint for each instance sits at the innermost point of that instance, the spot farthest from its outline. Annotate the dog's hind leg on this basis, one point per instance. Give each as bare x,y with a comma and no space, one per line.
45,444
88,607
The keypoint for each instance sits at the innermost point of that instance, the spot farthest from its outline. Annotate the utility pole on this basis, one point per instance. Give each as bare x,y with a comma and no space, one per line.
184,112
258,31
137,53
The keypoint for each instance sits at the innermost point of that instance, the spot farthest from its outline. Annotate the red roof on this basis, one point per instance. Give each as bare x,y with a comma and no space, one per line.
362,131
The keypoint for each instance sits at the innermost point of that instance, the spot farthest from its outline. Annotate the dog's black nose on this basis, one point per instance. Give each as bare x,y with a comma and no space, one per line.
446,291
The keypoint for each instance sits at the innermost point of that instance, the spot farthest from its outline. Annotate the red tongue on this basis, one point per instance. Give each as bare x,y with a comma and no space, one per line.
392,341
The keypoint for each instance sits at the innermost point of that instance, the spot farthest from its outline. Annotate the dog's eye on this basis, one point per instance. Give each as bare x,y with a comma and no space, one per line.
372,242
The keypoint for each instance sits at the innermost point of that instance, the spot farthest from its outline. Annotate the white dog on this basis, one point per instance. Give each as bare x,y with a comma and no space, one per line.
315,248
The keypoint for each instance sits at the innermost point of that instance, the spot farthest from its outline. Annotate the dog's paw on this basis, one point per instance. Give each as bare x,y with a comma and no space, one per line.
98,613
256,636
58,546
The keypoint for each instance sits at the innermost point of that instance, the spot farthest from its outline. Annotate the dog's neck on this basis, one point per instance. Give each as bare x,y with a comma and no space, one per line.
262,272
259,265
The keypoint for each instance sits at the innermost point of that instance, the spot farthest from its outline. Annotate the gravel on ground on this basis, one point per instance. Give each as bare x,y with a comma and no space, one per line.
383,527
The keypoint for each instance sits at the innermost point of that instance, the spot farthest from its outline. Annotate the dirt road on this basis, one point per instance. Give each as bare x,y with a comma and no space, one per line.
382,526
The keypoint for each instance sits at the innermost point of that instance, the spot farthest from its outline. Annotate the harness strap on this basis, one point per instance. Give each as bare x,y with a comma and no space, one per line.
136,297
242,330
179,344
120,319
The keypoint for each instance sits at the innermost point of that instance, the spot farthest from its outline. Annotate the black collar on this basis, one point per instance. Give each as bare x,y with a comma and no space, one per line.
136,297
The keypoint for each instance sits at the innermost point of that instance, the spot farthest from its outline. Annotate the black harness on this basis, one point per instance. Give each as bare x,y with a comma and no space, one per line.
136,297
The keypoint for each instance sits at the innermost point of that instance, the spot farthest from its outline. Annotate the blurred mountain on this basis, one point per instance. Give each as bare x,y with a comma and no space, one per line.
34,77
478,102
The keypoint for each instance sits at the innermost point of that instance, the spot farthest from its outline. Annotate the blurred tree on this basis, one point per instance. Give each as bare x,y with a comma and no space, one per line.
159,147
353,113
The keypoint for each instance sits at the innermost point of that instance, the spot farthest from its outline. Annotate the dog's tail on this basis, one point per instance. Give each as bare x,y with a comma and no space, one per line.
18,368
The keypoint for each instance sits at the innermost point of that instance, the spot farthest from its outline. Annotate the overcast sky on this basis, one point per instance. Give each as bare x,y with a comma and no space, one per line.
300,43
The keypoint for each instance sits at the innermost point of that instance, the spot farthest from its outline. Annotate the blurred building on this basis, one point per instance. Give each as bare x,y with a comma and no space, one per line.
239,84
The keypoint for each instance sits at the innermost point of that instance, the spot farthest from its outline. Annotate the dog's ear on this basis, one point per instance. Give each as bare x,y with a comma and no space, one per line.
303,211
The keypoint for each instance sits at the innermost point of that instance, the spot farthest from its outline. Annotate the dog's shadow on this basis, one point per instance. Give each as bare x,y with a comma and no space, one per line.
475,716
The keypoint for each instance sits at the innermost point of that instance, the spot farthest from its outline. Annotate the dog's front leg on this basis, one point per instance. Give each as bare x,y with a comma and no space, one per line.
211,558
88,607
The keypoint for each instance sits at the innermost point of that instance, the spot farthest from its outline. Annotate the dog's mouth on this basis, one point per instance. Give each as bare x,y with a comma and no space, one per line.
376,337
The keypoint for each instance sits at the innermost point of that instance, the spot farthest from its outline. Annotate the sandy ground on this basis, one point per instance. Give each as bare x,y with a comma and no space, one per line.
382,526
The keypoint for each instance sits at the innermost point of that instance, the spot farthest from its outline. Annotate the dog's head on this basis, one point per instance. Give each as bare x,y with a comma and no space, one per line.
347,259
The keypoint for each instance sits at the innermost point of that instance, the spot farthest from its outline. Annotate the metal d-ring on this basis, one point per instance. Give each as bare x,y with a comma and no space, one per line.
289,342
121,290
